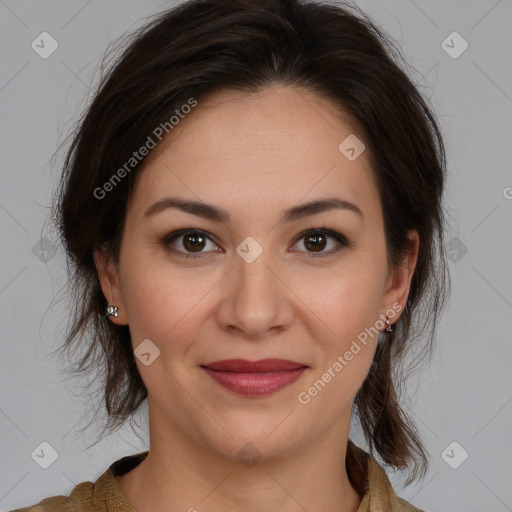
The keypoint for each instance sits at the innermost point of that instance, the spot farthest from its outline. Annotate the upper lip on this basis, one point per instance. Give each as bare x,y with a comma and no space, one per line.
259,366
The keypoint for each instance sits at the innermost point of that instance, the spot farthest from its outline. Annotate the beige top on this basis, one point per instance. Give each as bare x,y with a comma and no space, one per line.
105,495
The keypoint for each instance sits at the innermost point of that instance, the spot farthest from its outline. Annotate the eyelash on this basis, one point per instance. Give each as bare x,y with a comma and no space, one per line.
171,237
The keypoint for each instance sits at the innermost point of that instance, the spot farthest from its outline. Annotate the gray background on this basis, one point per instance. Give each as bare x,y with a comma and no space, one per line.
464,397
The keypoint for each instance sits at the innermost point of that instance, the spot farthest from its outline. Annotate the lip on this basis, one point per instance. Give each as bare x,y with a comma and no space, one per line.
254,378
259,366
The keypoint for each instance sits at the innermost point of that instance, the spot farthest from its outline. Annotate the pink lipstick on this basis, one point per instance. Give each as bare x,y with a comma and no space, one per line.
254,378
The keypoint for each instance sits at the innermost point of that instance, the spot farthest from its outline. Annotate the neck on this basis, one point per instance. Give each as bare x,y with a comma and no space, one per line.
178,474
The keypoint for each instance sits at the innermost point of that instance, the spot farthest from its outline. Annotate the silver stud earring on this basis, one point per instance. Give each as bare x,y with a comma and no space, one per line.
112,311
388,324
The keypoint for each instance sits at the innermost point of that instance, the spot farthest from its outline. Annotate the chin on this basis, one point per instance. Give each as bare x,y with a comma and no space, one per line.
249,449
254,437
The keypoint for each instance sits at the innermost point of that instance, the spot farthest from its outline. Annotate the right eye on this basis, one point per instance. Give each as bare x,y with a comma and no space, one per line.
192,240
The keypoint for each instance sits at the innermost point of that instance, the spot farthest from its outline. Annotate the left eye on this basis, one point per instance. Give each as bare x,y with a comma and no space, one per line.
314,240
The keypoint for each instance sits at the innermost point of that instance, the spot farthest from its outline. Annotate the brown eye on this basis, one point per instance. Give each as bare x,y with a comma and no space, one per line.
318,240
315,243
193,242
192,245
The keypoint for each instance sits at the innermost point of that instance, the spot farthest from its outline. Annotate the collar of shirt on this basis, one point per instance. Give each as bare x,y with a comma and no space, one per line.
365,474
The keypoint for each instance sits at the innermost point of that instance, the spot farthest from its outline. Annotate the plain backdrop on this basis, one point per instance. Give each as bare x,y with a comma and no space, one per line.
463,403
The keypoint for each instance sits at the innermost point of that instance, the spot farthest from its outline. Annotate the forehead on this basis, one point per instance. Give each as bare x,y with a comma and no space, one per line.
272,148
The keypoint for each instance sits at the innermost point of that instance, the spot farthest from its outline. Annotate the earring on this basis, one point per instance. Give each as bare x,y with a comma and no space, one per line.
112,311
388,328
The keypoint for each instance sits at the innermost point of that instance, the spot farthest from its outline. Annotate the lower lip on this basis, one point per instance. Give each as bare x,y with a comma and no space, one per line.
255,384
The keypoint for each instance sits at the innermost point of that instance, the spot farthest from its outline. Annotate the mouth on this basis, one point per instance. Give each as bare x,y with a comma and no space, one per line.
254,378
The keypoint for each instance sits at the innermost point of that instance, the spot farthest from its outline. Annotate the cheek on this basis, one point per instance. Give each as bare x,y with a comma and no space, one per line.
347,336
344,314
162,302
344,300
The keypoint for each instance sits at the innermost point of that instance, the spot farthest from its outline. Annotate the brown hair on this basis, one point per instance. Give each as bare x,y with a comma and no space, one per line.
203,46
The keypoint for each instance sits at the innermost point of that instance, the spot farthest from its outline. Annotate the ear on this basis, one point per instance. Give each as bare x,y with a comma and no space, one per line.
108,274
398,284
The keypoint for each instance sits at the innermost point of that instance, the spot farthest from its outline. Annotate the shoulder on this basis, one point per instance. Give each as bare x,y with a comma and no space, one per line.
375,487
100,496
80,500
407,507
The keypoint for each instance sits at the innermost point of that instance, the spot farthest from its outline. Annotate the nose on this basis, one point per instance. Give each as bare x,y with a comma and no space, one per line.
256,300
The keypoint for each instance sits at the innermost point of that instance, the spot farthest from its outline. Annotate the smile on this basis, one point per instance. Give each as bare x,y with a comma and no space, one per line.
254,378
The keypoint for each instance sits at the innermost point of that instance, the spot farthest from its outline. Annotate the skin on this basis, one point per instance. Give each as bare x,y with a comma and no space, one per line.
254,155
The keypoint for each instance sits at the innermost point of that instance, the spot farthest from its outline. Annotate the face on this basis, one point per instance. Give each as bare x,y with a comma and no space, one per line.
253,285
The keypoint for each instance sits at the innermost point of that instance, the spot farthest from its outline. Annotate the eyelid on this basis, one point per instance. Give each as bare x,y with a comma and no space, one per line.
341,239
171,237
166,241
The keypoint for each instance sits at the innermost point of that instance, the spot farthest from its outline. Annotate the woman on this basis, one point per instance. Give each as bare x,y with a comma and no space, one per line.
252,211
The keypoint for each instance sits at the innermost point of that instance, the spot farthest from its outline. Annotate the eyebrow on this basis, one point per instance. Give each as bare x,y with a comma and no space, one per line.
210,212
